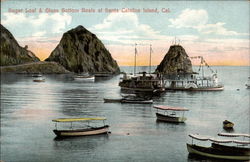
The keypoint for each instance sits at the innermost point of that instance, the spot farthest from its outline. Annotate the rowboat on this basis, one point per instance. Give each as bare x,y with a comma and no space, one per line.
39,80
220,149
227,124
128,100
137,101
110,100
171,115
89,130
84,77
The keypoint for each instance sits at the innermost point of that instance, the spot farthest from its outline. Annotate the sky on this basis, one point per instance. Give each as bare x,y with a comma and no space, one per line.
216,30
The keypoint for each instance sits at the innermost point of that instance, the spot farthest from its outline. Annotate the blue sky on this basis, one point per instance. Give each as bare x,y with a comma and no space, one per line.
215,28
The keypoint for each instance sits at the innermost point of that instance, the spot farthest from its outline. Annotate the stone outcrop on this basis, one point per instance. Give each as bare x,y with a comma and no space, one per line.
11,53
35,67
81,51
176,61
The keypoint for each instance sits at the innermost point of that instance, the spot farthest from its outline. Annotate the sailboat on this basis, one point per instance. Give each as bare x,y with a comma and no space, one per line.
142,82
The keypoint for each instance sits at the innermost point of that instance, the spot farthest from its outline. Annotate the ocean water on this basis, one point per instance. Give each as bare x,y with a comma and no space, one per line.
27,109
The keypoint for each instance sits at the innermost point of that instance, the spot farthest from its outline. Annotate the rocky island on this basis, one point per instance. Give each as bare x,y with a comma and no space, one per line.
176,61
80,51
11,52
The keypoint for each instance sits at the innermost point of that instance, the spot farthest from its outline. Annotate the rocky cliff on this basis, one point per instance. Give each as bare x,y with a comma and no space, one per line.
81,51
175,61
11,53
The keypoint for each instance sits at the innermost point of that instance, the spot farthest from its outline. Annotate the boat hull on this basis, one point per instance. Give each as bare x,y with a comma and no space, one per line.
127,101
168,118
84,77
209,152
137,101
106,100
228,125
37,80
82,132
143,89
196,89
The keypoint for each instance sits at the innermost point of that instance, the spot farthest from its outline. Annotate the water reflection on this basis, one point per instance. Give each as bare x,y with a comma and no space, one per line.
81,143
27,109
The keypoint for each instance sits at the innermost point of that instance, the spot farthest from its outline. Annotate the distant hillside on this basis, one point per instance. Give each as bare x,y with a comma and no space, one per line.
35,67
11,52
175,61
81,51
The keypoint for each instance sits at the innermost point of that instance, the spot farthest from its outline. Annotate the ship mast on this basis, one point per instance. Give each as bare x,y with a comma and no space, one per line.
135,59
150,51
202,70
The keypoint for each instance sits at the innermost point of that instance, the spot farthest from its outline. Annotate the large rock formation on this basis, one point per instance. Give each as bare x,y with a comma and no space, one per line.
11,53
35,67
176,61
81,51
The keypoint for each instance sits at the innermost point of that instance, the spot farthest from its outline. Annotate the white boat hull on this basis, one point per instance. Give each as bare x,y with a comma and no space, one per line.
86,132
84,78
197,89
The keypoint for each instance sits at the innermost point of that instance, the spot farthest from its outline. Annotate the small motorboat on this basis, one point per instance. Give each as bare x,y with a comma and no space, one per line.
227,124
39,79
84,77
134,100
137,101
109,100
227,149
88,130
170,114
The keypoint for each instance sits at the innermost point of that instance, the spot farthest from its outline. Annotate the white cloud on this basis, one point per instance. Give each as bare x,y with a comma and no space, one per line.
217,28
38,24
125,28
198,19
190,19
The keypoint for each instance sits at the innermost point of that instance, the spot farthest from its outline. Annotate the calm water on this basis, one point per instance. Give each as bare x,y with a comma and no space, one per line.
27,109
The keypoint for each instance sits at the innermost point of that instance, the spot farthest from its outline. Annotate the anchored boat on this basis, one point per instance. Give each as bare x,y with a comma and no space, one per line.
170,114
194,82
133,100
227,124
142,82
220,148
84,77
39,79
87,130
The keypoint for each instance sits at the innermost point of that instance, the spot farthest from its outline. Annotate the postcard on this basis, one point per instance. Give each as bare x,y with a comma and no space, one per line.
124,80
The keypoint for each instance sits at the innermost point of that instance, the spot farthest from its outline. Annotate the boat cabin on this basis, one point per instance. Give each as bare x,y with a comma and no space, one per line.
221,148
